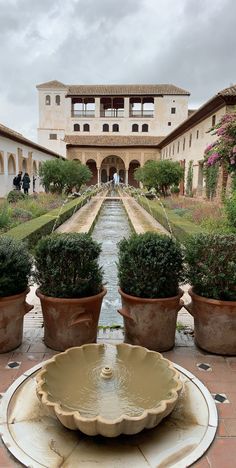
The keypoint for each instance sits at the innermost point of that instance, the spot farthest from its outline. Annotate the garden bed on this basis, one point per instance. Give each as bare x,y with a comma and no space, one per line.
34,229
182,228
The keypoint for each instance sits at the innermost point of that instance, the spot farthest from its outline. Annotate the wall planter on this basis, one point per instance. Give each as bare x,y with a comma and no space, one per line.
214,324
150,322
70,322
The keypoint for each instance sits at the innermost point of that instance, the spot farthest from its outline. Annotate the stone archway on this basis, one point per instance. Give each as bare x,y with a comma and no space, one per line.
134,164
11,165
24,165
91,163
104,176
112,164
35,170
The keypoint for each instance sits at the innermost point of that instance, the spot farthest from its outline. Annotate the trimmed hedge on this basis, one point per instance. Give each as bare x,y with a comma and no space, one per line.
33,230
182,229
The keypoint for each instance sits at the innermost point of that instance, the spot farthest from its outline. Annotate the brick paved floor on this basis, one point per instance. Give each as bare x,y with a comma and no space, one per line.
216,372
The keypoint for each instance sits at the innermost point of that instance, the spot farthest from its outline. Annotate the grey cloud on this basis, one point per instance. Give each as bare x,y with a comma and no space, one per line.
108,10
189,43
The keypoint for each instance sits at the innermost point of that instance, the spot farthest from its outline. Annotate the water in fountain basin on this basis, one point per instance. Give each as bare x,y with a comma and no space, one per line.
111,226
139,381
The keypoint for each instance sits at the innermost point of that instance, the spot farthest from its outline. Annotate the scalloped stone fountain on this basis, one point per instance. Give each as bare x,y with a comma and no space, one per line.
109,390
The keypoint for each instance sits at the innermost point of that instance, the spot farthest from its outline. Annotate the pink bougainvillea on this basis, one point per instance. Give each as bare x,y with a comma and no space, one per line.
223,150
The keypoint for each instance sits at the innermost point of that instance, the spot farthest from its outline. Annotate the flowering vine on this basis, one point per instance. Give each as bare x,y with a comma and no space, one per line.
223,150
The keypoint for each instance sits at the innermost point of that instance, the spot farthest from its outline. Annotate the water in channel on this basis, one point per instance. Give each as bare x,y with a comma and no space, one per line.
111,226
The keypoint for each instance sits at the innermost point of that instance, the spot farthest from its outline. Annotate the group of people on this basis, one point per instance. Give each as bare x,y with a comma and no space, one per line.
23,181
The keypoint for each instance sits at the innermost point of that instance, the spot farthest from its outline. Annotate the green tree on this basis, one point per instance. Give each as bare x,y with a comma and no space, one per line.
60,175
160,174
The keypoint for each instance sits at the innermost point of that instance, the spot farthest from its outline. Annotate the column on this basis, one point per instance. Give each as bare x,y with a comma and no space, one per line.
97,107
126,107
99,178
126,176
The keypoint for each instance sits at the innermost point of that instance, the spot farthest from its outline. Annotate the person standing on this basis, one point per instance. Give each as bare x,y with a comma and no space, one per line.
17,181
116,178
26,183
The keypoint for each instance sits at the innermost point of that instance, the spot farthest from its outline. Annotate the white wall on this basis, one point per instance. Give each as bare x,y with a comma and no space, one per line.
10,147
199,140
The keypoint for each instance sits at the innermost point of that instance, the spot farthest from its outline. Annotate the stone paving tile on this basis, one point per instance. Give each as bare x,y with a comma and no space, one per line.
202,463
222,453
221,379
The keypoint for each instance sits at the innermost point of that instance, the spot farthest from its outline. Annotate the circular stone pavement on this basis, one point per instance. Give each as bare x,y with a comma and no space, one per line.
37,440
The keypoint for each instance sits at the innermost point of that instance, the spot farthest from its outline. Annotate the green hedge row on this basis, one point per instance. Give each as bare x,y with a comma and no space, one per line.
33,230
182,229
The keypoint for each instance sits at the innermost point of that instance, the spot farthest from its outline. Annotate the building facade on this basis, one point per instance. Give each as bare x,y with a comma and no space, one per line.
17,153
109,127
187,142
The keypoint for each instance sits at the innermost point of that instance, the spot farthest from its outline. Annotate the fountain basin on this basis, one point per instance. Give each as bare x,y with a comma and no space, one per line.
109,390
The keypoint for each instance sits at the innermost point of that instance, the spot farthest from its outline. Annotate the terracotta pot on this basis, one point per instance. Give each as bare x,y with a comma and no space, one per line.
214,324
70,322
150,322
12,311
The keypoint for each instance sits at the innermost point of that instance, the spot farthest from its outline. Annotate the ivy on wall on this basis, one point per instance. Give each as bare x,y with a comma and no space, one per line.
189,184
211,178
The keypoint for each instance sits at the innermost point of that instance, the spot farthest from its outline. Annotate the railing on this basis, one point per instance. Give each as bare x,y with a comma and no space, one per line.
112,113
82,113
141,113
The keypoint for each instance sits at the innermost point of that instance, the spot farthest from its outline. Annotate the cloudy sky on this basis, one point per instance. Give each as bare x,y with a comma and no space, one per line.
190,43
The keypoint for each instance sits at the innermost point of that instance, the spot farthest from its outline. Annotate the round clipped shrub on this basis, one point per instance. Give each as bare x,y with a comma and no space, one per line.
15,195
67,266
211,265
15,266
150,265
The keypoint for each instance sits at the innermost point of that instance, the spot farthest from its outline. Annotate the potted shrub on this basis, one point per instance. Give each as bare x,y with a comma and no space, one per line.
70,288
211,271
149,272
15,270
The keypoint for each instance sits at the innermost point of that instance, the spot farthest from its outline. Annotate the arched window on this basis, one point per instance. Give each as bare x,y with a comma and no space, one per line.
48,100
135,128
24,165
105,128
86,128
11,165
76,128
145,128
115,128
58,100
35,171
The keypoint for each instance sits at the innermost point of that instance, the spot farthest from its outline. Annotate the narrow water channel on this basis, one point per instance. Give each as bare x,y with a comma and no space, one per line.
111,226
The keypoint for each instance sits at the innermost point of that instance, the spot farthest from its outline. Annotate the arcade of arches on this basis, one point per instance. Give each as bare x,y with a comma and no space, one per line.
109,166
104,164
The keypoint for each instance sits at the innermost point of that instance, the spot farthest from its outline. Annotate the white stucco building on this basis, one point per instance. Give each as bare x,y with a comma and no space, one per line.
109,127
187,142
116,128
17,153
